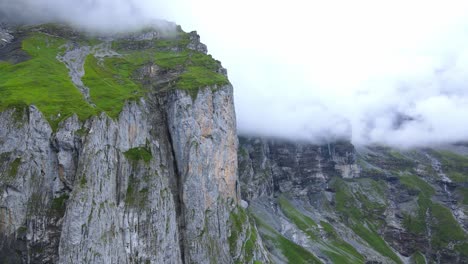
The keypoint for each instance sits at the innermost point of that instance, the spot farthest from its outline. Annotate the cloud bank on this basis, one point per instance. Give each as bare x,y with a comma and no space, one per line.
389,72
93,15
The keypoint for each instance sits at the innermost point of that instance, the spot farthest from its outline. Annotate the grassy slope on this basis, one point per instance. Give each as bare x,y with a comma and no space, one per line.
334,247
197,69
362,216
293,252
44,81
110,83
454,165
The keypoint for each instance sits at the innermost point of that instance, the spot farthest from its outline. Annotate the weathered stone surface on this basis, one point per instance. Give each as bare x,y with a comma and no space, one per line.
205,146
385,203
158,184
268,166
76,197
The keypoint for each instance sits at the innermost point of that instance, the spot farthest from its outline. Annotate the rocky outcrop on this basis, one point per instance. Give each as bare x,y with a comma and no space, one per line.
157,184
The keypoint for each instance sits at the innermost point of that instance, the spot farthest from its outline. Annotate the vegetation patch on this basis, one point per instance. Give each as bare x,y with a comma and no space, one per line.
418,258
14,167
196,77
463,194
83,181
303,222
110,83
139,154
462,248
237,219
417,224
437,217
134,196
195,70
340,251
42,81
445,228
293,252
362,216
58,206
454,165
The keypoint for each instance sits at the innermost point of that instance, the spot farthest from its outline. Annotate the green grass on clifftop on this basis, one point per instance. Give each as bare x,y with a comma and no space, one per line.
42,81
110,83
196,70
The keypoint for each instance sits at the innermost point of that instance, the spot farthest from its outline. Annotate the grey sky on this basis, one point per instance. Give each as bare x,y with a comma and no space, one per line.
392,72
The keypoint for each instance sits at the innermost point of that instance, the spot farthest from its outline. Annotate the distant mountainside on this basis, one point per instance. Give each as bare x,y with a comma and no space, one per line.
337,204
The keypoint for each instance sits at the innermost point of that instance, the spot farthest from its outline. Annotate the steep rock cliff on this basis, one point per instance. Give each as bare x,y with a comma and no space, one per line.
117,149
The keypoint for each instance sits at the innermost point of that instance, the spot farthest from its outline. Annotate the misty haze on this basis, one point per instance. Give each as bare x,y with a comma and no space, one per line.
311,70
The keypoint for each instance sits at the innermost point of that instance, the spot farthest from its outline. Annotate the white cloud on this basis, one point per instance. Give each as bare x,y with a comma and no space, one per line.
392,72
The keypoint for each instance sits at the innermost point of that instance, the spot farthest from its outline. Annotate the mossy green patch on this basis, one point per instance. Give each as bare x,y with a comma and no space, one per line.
139,154
339,250
418,258
390,160
454,165
171,60
303,222
21,231
295,253
196,77
195,69
83,182
417,223
362,216
250,244
58,205
110,83
136,197
237,219
462,248
14,167
445,228
42,81
414,182
463,194
19,112
369,234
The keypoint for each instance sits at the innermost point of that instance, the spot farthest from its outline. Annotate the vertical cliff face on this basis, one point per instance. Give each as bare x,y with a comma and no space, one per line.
153,182
333,203
269,166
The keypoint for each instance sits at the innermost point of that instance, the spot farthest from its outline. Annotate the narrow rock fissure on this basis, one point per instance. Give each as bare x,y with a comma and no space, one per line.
176,189
175,182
